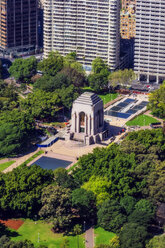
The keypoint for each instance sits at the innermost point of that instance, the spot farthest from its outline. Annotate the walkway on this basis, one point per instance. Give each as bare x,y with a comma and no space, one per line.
89,238
19,161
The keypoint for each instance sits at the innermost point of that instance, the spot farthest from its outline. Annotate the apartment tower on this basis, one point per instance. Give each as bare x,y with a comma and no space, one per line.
91,28
18,26
150,40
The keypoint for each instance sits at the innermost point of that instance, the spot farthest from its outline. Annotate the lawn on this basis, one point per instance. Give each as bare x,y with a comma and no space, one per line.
5,165
141,120
108,97
41,234
102,236
105,97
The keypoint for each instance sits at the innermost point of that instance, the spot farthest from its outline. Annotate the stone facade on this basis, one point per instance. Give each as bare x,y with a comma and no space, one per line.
87,119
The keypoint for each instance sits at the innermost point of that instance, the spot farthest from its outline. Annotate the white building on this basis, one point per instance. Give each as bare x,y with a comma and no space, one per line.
91,28
87,120
150,40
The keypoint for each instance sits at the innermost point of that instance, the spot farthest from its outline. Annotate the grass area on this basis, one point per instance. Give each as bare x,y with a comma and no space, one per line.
41,231
5,165
105,97
33,157
102,236
141,120
57,124
108,97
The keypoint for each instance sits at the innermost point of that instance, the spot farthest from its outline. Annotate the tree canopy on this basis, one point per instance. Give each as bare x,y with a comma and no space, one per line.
23,69
157,101
52,64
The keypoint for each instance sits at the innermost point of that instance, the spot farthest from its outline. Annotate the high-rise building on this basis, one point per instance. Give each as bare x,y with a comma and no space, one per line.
18,26
149,58
91,28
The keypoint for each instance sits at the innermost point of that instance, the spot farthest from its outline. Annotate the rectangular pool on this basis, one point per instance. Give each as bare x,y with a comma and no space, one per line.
52,163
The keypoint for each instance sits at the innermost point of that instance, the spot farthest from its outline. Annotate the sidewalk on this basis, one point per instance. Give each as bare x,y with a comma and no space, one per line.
89,238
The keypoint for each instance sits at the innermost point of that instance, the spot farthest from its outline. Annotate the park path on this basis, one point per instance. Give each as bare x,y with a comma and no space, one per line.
19,161
89,238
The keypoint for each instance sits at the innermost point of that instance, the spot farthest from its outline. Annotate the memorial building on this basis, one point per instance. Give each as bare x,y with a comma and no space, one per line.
87,120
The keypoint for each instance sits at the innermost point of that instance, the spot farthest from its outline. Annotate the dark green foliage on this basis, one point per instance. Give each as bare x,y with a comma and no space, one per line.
74,76
5,242
8,97
98,80
0,68
146,206
51,65
42,104
56,206
20,190
128,203
133,236
157,102
85,202
111,163
68,95
44,83
22,69
157,242
150,138
15,130
155,183
140,217
11,139
111,216
63,179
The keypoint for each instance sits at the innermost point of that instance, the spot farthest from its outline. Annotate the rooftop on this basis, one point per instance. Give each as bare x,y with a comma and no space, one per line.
88,98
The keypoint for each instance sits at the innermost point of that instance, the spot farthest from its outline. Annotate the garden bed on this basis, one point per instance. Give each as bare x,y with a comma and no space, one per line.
13,224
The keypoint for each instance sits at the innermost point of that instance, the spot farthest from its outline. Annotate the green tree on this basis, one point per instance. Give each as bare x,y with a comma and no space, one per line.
128,203
98,65
56,206
23,69
63,179
156,183
140,217
52,64
68,95
85,202
133,236
20,191
100,187
156,242
16,128
42,104
157,102
146,206
110,216
121,77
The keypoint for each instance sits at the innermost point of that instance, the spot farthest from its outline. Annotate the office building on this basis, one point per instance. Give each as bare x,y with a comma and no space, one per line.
18,26
149,58
91,28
